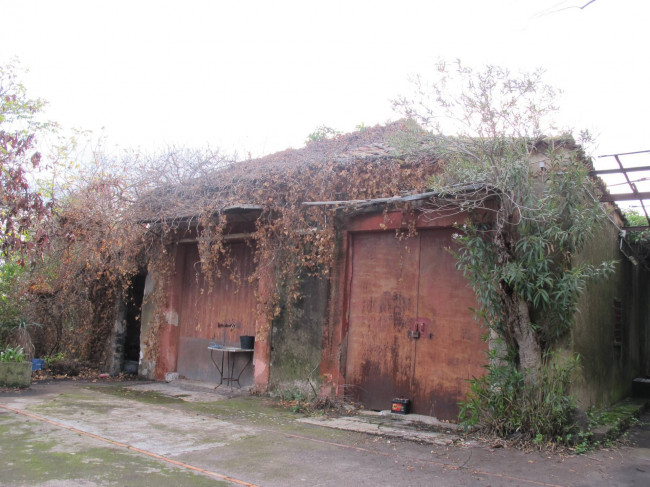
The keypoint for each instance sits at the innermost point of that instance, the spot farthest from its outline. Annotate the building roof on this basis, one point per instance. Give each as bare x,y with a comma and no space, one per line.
381,165
327,170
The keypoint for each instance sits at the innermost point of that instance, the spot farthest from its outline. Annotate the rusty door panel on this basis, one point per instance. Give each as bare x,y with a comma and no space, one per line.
411,331
220,314
383,292
450,351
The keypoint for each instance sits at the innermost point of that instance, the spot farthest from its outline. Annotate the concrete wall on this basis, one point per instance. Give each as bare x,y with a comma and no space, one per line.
297,339
147,365
117,340
642,283
608,368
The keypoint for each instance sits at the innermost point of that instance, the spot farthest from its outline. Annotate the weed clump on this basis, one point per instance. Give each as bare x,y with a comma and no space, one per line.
506,403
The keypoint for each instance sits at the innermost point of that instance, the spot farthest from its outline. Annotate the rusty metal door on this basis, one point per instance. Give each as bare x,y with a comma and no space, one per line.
411,332
449,349
383,304
219,311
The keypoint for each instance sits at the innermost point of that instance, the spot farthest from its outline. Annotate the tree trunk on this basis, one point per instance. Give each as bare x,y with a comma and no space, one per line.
519,332
530,353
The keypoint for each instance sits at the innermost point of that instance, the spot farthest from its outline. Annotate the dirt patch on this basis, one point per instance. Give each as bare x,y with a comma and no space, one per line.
71,370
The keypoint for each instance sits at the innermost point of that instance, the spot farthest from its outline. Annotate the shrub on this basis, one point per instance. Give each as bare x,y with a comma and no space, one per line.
12,354
68,367
505,403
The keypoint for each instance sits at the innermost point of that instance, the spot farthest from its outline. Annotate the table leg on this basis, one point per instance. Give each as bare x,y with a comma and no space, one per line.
227,368
220,369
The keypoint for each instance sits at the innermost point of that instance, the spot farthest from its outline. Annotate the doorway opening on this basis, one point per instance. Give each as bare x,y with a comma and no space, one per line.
132,317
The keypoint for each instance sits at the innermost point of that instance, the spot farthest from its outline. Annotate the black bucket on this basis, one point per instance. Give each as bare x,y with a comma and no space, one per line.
247,342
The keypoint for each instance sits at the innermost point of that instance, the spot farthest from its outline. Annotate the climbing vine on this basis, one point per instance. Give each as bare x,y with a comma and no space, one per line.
290,239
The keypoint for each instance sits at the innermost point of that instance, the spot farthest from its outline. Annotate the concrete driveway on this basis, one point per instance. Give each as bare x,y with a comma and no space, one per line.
132,434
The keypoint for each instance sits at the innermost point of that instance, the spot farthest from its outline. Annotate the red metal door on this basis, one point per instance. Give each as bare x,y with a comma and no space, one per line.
218,312
411,331
449,350
383,304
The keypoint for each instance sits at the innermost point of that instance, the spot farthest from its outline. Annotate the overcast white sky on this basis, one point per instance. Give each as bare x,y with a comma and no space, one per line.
259,76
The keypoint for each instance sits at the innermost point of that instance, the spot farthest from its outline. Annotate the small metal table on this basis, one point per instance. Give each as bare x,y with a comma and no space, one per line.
228,355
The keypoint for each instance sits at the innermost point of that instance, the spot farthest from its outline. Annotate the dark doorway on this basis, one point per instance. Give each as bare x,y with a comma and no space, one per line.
133,311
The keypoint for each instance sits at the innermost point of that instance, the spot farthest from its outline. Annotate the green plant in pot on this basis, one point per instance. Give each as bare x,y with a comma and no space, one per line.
15,369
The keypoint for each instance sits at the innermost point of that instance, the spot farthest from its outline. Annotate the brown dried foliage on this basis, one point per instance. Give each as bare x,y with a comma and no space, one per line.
105,232
95,251
290,239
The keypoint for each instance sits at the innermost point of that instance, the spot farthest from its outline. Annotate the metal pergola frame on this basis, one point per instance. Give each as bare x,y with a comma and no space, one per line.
634,194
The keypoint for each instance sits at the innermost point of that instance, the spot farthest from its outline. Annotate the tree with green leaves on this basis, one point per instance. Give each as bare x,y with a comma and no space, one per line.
532,207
